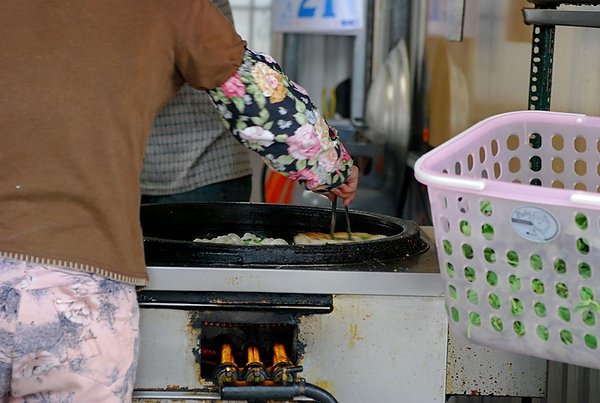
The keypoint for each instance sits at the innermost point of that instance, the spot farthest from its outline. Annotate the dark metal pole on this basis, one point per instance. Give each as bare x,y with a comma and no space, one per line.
319,394
540,78
277,393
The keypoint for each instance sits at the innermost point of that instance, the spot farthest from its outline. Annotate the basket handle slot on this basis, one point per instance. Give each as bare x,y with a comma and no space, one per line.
585,199
449,181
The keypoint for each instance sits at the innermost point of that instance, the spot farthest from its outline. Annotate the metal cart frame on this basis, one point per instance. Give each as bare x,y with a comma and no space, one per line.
544,18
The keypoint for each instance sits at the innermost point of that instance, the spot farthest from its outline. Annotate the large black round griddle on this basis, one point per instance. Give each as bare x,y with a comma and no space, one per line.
169,231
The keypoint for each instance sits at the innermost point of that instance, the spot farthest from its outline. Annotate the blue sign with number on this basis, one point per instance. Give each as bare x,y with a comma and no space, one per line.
341,17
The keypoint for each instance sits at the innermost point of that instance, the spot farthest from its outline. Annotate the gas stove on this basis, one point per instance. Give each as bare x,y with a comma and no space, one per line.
371,330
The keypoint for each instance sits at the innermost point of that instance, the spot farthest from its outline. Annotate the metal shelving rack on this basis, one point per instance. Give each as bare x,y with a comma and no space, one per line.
544,18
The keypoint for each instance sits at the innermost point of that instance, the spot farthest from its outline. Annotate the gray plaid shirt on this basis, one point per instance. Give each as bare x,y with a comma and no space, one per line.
190,147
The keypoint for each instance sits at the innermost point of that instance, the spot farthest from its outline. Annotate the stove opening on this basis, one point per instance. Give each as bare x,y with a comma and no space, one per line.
251,352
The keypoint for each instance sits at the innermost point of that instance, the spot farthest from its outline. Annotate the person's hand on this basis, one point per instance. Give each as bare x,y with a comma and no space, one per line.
346,191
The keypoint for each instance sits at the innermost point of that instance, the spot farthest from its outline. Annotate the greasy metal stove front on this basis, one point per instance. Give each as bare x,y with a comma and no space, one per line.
247,344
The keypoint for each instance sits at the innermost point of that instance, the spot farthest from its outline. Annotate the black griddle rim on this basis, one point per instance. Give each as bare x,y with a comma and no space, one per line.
404,240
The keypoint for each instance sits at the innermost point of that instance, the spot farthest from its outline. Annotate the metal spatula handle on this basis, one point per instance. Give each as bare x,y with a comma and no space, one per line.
333,216
347,215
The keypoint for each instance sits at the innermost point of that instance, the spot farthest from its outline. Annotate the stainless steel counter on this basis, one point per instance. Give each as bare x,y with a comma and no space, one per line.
294,281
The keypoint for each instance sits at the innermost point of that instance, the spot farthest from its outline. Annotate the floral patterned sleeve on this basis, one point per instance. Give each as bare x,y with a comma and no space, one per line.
272,115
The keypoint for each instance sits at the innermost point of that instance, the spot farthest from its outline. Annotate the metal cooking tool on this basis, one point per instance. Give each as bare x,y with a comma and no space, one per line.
333,216
347,215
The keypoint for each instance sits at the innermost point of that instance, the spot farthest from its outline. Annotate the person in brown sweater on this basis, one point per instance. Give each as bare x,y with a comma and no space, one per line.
80,85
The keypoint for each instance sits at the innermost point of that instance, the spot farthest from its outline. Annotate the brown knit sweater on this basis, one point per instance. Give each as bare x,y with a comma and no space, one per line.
80,84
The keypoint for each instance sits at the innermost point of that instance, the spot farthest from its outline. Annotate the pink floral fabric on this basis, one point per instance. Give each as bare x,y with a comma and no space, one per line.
274,116
65,336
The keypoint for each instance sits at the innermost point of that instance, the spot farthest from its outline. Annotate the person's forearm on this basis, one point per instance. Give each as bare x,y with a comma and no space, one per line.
275,117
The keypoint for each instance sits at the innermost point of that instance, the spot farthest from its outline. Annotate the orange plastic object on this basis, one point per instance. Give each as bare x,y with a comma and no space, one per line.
278,188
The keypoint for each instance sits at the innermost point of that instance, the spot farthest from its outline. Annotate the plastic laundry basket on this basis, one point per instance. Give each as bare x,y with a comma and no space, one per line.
516,217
